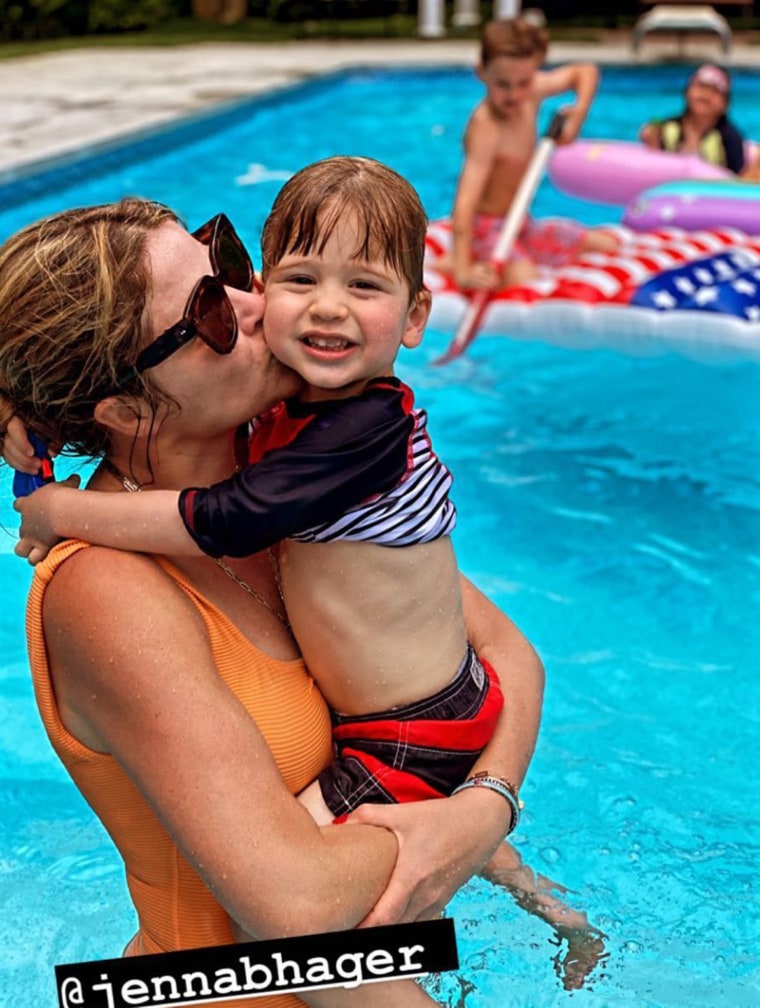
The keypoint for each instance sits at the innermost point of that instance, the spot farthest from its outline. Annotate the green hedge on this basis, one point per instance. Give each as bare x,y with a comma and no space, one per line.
127,15
44,19
38,19
288,11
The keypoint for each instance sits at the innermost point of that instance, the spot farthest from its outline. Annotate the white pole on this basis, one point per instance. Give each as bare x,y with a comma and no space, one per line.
430,19
505,9
466,13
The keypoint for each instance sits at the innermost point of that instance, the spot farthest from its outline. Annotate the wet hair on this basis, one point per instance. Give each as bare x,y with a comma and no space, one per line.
73,292
391,218
514,37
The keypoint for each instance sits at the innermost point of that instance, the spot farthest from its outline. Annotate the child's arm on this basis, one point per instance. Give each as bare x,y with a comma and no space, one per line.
148,522
582,78
358,449
649,134
480,144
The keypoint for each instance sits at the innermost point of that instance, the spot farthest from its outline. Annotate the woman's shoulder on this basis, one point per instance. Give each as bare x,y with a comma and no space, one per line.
102,587
82,564
108,620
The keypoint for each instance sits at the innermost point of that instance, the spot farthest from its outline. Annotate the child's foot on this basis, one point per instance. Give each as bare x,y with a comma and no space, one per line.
585,949
541,896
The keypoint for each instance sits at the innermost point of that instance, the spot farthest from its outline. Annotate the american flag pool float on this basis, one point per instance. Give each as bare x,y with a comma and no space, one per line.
696,293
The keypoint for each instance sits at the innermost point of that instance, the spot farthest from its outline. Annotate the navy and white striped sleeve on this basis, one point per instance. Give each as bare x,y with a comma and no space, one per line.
360,447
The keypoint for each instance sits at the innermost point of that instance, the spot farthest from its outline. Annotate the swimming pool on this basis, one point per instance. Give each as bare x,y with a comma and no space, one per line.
609,504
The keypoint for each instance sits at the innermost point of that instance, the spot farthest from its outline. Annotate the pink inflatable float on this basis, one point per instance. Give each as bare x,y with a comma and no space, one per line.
614,171
697,204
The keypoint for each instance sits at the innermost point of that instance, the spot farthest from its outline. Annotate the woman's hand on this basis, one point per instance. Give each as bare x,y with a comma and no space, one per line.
441,844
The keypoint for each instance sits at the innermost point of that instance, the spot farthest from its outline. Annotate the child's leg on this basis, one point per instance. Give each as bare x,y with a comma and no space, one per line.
519,271
599,241
535,893
532,892
312,800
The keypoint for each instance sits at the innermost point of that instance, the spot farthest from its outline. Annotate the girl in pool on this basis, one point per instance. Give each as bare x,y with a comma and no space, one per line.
703,128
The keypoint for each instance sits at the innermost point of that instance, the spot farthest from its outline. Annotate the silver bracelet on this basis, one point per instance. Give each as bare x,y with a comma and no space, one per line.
501,786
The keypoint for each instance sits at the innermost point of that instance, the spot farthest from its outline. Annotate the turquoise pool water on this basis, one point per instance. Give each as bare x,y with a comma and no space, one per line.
611,505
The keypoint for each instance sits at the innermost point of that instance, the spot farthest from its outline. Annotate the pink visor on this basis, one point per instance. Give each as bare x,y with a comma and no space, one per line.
712,76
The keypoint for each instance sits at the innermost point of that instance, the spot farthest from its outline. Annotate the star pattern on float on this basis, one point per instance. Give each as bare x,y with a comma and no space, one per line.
725,283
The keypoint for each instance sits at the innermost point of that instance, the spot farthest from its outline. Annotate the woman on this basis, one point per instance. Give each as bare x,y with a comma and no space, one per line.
171,688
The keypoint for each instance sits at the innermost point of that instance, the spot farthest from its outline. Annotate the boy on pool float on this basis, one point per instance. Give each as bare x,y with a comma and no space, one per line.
498,143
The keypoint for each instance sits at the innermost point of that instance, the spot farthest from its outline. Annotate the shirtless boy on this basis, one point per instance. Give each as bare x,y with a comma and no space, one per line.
499,141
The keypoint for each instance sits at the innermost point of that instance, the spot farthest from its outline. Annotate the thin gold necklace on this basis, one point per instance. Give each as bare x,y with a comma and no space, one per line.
132,487
281,616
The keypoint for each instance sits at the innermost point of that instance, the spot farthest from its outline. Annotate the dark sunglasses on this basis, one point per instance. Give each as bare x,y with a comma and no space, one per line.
209,312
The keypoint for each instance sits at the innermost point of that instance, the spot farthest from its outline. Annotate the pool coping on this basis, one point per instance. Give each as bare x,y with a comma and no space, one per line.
67,105
32,179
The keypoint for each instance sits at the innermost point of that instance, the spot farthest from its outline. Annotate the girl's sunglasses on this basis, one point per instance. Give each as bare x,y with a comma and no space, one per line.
209,312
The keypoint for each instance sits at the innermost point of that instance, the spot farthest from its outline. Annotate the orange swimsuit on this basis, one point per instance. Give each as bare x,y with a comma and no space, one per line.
175,908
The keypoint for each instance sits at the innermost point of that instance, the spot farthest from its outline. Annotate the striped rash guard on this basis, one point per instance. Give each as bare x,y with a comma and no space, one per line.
360,468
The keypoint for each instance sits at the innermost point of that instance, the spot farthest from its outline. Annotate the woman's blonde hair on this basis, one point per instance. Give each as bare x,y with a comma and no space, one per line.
391,218
73,290
512,37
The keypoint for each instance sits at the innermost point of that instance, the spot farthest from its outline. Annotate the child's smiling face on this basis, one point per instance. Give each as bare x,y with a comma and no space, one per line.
337,318
705,101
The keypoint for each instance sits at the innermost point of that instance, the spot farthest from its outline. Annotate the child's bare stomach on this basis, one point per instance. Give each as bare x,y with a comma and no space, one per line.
378,627
501,189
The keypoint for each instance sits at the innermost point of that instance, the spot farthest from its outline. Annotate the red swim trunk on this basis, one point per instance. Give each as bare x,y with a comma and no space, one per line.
551,242
418,751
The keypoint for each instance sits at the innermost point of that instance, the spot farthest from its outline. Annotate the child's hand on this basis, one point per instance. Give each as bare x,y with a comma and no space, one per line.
36,534
17,449
572,125
478,276
649,135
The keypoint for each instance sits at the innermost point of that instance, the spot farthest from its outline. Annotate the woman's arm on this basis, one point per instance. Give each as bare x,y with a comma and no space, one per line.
443,843
135,677
496,638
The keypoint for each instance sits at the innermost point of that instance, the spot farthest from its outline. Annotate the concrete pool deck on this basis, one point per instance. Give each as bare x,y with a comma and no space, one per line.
58,103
